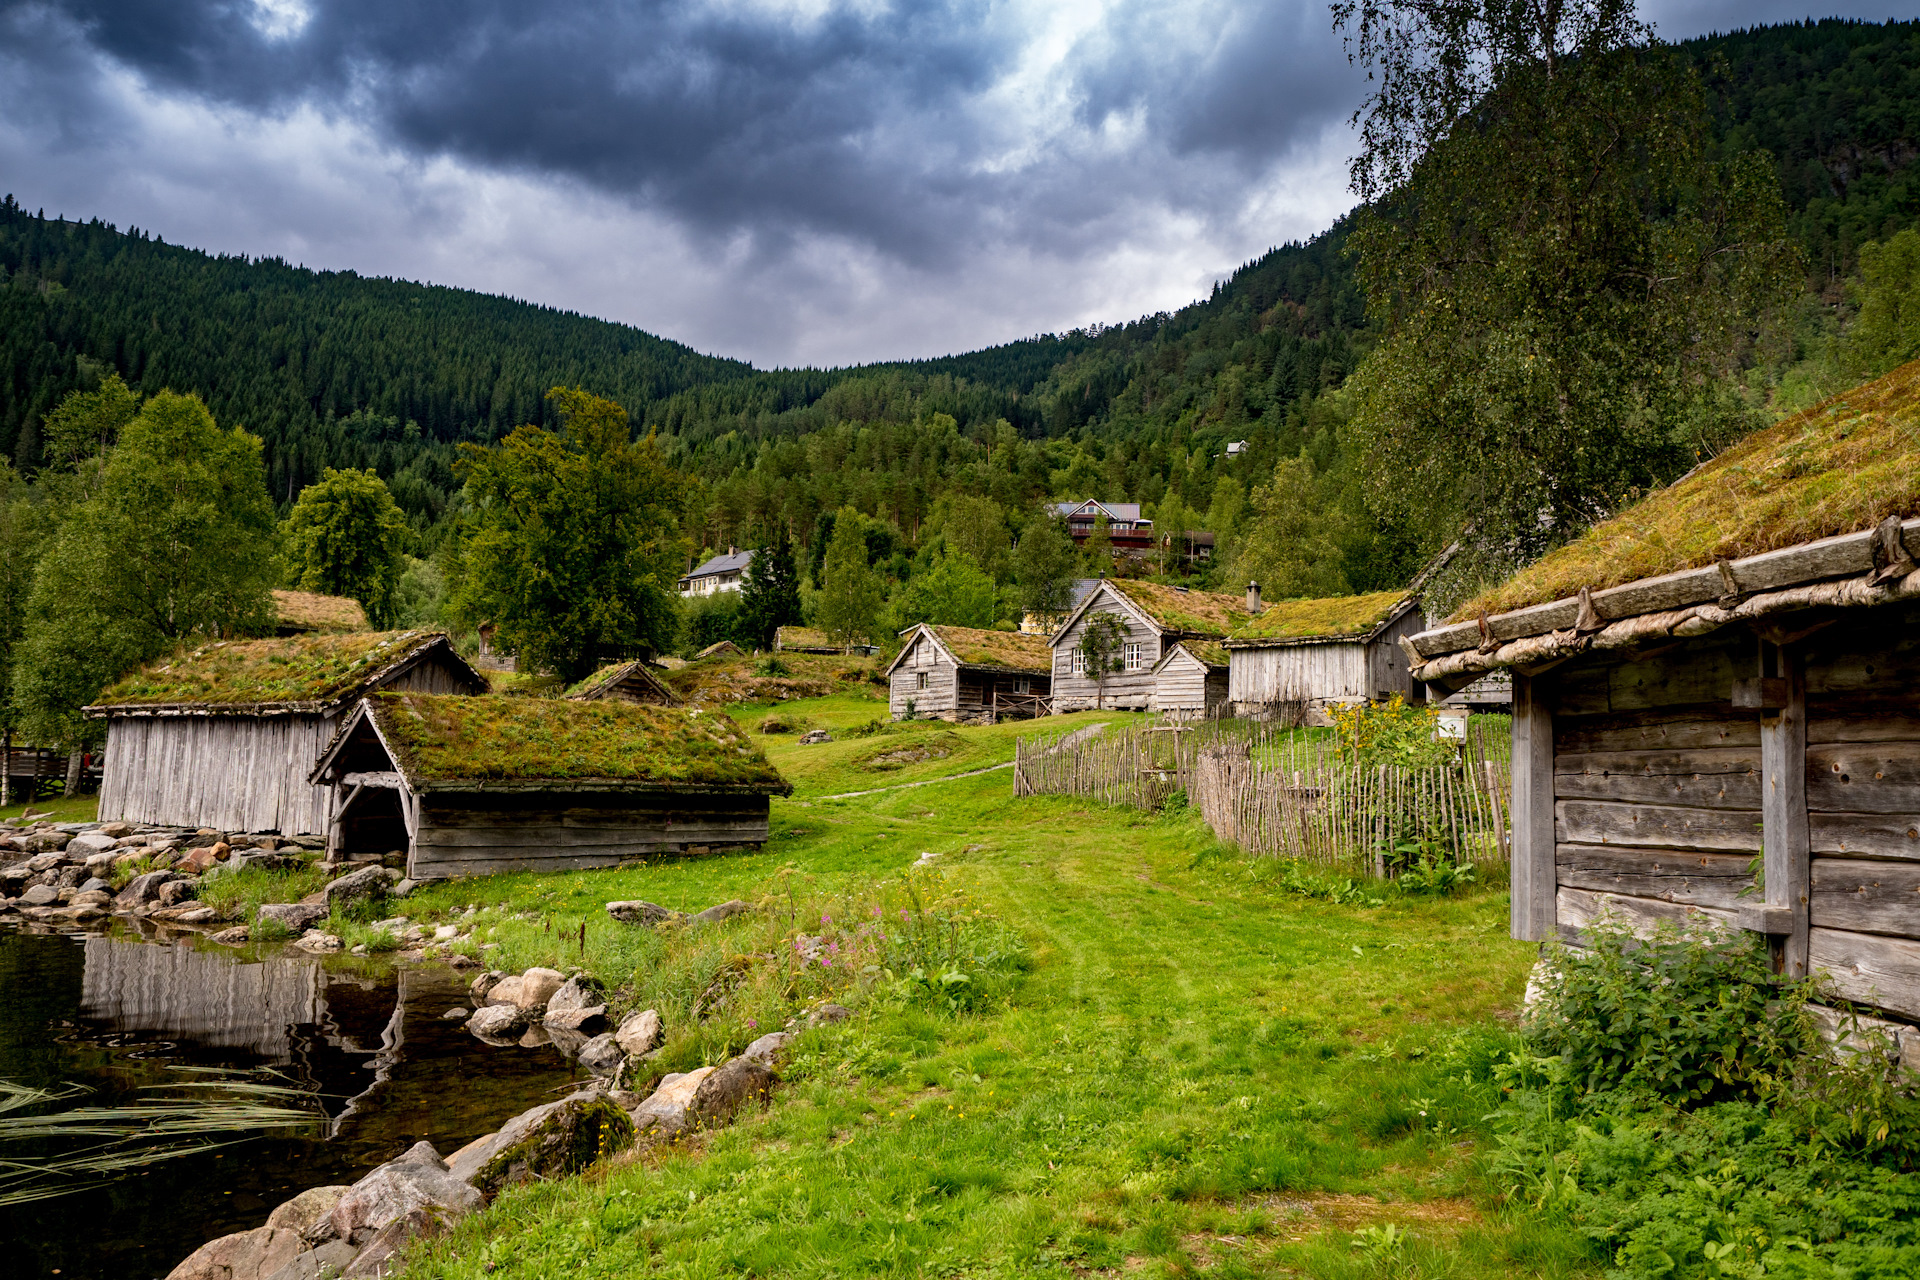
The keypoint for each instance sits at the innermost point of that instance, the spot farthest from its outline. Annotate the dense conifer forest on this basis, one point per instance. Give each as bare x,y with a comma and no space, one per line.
336,369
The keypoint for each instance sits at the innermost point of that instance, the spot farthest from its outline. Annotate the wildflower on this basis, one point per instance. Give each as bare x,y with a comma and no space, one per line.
903,914
755,1024
826,921
876,911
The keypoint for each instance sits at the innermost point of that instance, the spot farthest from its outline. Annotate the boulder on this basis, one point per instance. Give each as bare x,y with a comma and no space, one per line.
577,992
101,864
828,1014
318,942
664,1114
637,912
602,1056
639,1033
505,991
238,936
94,884
769,1048
195,861
244,1255
364,885
323,1263
88,843
115,830
466,1162
304,1210
41,862
814,737
585,1022
418,1179
486,982
498,1021
721,911
144,890
735,1084
40,895
175,892
298,916
537,986
92,897
380,1258
554,1140
459,1013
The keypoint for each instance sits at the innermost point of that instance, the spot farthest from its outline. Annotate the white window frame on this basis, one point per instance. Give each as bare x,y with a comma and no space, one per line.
1077,662
920,681
1136,655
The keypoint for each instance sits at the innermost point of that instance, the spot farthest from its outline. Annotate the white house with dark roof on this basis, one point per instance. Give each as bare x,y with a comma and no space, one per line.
720,573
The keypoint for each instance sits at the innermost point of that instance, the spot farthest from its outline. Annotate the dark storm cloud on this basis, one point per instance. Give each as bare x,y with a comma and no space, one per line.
865,124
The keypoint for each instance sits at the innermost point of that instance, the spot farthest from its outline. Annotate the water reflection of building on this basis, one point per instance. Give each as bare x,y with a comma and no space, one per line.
185,994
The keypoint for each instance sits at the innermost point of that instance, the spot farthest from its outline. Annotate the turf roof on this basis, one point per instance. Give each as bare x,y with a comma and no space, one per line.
1839,467
437,738
1331,617
317,668
310,611
1211,652
978,648
791,637
603,681
1209,613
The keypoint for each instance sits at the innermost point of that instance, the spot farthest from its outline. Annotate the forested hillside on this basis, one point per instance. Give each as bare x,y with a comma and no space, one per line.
337,369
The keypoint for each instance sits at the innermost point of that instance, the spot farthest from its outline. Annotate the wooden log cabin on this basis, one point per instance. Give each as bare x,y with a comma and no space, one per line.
473,786
965,674
1153,617
630,681
224,735
1298,658
1190,680
1698,682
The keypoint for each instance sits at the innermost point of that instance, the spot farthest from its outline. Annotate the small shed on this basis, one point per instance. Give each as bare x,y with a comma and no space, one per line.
962,673
629,681
473,786
1730,668
1305,656
1154,616
301,612
1190,680
224,734
720,649
812,640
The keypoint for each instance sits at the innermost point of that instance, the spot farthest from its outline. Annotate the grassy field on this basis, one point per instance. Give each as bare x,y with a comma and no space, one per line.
1183,1071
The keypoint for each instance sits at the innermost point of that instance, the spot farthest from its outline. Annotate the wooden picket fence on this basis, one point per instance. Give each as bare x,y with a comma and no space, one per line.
1285,792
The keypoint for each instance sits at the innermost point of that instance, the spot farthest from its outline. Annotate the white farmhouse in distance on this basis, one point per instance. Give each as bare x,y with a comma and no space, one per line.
721,573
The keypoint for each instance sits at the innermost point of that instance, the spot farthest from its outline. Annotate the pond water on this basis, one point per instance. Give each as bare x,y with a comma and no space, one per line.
117,1010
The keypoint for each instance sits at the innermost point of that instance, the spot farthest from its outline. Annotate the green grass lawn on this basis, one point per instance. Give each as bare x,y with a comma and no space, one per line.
80,808
1192,1072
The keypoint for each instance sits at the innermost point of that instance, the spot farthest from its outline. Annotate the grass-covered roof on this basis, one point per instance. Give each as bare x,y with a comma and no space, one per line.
1334,616
1211,652
1010,649
443,739
609,679
1209,613
313,669
1839,467
310,611
791,637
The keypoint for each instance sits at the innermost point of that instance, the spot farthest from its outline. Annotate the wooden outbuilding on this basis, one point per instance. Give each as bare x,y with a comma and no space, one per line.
1731,668
630,681
1153,617
473,786
223,735
965,674
1190,680
720,649
791,639
1298,658
300,612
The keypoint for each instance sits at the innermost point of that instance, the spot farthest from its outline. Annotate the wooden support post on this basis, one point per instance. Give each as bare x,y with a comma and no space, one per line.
1783,806
1535,883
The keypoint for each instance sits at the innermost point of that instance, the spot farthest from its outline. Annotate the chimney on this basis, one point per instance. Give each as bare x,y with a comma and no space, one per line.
732,550
1253,597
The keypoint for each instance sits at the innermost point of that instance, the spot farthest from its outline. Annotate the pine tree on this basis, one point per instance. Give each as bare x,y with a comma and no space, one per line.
850,592
770,594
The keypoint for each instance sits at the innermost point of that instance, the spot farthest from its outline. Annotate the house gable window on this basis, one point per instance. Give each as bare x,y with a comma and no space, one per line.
1136,655
919,680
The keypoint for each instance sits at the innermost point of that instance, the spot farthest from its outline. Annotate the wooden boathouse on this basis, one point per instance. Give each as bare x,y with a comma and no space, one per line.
1153,616
473,786
965,674
223,735
1729,669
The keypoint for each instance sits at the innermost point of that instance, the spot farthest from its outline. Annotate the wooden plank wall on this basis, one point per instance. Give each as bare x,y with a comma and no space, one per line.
941,696
1187,686
231,773
485,833
1122,689
1388,672
1298,673
1656,785
1863,807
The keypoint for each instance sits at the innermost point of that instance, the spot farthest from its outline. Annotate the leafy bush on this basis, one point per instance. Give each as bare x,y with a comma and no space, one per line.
771,666
1426,864
1395,732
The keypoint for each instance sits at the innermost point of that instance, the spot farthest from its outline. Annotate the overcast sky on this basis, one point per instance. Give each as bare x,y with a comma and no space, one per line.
785,181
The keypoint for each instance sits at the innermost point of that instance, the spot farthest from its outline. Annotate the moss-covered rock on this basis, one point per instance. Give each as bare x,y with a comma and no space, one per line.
554,1140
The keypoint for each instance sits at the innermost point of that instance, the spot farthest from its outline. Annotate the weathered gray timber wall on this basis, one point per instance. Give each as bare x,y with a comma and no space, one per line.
941,696
1122,689
232,773
467,834
1187,686
179,992
1307,673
